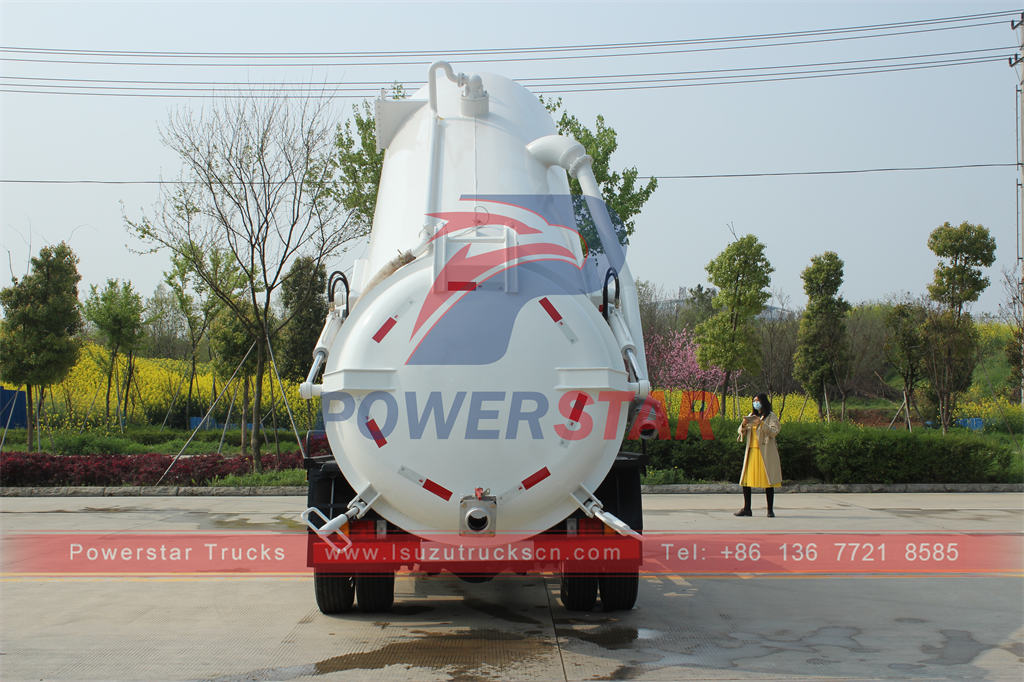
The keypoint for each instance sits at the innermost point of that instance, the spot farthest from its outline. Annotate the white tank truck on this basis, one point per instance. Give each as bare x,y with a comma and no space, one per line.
480,371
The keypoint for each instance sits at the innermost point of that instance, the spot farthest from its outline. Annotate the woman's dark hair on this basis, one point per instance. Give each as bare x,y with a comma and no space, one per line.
766,405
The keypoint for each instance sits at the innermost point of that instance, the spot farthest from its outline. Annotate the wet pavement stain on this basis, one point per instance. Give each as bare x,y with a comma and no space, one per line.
623,672
472,655
410,609
958,648
1015,648
208,521
498,611
615,637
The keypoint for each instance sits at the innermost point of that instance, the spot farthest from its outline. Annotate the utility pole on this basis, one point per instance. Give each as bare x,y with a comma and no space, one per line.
1018,61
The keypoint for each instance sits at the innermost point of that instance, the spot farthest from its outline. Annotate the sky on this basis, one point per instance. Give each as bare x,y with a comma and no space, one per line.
878,223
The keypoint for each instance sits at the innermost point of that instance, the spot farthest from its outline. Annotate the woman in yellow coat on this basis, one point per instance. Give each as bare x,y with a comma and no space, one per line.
761,466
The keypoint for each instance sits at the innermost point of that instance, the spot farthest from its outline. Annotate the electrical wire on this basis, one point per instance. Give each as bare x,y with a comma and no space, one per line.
37,181
319,92
848,171
555,57
508,50
526,81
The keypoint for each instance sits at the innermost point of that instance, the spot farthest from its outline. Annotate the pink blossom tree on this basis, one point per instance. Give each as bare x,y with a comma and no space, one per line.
672,363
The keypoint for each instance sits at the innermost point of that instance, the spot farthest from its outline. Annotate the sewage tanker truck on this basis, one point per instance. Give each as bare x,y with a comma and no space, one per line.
481,364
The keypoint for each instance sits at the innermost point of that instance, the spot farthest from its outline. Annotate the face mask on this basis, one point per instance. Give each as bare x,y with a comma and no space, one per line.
757,405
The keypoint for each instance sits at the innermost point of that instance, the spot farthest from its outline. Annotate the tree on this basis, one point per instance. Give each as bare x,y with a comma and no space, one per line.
697,306
867,335
658,313
116,312
777,339
905,348
822,351
231,340
357,163
742,274
305,309
962,251
256,179
950,355
165,325
951,339
1012,312
38,343
619,190
672,359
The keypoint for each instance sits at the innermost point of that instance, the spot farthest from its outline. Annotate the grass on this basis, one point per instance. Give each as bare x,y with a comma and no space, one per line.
137,440
265,478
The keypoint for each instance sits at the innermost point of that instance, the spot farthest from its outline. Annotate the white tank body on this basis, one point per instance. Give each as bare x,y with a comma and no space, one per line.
480,366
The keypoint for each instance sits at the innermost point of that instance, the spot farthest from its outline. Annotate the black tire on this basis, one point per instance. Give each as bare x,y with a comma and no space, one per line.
620,493
579,592
375,592
334,592
619,591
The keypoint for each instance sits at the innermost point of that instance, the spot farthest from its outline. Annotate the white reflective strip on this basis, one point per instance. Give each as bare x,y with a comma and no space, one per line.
413,476
567,330
511,493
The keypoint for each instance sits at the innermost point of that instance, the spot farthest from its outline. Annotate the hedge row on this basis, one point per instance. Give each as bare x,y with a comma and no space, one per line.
138,440
41,469
843,453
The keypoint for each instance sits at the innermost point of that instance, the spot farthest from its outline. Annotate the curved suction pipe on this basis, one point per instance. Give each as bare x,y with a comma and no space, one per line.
449,73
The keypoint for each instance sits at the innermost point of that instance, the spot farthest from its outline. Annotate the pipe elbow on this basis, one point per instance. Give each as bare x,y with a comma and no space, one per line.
558,150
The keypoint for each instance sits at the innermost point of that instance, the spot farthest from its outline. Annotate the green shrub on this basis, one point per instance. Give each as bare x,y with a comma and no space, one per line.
93,444
15,437
665,477
283,477
860,455
842,453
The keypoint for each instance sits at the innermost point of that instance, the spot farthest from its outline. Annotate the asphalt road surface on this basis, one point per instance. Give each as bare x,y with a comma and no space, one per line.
685,626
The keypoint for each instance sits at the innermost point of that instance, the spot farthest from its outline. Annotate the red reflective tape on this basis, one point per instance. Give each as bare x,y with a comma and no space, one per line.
461,286
384,329
378,437
550,309
437,489
577,408
536,478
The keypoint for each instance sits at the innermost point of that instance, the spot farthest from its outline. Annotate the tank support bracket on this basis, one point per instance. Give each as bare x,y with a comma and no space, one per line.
357,508
592,507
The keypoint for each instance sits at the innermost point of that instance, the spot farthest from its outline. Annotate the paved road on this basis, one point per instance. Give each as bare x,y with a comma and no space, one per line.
686,626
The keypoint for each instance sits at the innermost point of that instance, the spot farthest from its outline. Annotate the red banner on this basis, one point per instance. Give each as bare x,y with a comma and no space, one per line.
135,553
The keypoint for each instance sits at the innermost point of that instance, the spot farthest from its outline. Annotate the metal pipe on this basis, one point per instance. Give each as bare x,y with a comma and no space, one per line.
449,73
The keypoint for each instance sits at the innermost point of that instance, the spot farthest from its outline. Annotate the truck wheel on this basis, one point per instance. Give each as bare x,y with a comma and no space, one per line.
618,591
579,592
375,592
334,593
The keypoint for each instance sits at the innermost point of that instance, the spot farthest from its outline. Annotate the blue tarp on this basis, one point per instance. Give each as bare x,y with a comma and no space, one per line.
972,423
13,400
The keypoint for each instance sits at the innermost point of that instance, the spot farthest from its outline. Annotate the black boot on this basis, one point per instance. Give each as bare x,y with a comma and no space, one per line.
746,504
769,494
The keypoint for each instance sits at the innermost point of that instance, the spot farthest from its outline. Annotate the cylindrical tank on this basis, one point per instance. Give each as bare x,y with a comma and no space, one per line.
477,387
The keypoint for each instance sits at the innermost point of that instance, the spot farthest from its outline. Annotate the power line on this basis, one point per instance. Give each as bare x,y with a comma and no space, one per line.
830,172
772,79
543,88
504,59
507,50
522,80
36,181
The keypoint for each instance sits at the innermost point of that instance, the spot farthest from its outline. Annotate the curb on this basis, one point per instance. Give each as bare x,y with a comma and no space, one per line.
710,488
154,491
675,489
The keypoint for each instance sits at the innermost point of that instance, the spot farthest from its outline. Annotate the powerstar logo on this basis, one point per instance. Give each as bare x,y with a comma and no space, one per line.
503,252
555,244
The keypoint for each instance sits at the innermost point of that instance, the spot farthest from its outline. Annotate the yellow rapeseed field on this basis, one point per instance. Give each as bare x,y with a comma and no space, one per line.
80,399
